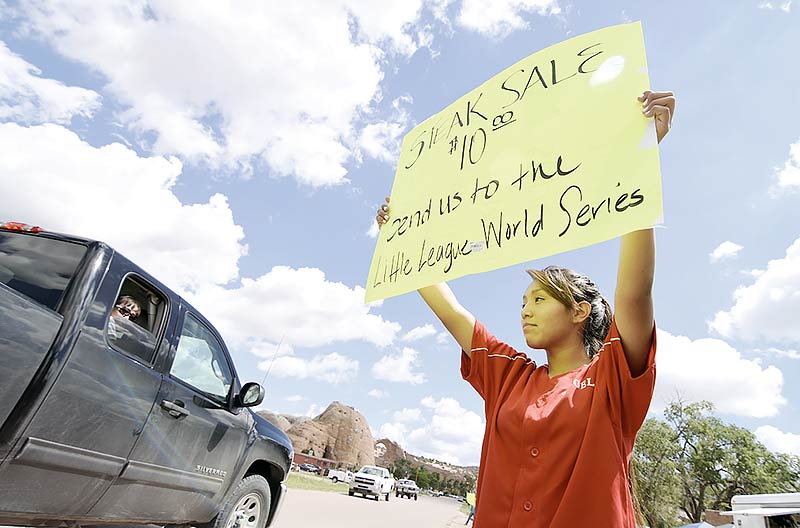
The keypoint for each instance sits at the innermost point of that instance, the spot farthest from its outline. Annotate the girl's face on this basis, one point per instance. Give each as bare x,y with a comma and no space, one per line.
545,321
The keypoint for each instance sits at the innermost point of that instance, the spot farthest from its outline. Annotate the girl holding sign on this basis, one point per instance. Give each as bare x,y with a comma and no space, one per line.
559,437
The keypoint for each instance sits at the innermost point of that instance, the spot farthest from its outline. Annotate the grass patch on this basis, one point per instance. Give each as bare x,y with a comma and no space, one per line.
464,508
307,481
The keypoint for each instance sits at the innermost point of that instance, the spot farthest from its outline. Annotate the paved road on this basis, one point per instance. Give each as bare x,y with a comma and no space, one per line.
320,509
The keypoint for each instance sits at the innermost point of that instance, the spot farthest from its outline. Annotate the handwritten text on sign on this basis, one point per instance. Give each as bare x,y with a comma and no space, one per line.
550,155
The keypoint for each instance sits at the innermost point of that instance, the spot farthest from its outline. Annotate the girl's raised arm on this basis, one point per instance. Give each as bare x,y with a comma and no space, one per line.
440,298
633,299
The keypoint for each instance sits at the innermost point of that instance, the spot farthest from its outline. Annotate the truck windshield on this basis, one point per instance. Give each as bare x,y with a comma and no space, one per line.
38,267
372,471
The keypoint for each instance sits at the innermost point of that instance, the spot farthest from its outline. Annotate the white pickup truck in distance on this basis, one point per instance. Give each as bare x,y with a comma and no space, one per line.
338,475
372,480
406,488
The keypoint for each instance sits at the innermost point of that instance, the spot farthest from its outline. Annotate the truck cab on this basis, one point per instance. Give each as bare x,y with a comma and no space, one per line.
772,510
112,415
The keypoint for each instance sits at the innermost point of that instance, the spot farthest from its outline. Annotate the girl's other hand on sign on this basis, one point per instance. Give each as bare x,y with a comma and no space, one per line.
661,106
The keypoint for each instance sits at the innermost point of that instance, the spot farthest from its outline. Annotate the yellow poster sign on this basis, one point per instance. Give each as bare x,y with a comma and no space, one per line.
550,155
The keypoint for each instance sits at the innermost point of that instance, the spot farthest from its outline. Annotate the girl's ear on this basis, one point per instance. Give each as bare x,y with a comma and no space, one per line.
581,312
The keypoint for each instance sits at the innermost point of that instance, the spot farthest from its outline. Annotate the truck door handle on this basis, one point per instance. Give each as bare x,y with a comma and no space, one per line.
175,409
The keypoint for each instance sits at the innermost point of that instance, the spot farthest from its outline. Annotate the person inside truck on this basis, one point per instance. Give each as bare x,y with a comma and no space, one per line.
127,308
558,441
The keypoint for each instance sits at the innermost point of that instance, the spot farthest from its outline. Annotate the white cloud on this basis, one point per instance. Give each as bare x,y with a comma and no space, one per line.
419,332
382,140
399,368
711,369
314,410
498,18
395,432
767,309
332,368
295,398
298,306
387,21
265,349
777,352
785,6
407,415
755,273
724,251
789,175
377,394
25,97
52,178
777,440
243,81
448,433
443,338
373,230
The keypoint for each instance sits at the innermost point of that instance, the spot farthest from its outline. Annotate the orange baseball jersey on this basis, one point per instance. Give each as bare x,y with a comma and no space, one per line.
556,450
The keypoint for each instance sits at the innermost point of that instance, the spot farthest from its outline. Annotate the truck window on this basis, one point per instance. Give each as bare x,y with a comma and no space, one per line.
783,521
136,319
38,267
201,362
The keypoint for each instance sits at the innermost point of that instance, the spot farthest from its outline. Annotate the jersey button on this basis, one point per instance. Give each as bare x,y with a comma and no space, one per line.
534,452
527,505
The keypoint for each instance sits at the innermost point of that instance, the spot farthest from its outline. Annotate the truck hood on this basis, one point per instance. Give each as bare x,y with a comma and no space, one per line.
266,428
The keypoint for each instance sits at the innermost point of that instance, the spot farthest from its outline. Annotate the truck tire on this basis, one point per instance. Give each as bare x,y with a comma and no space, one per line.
335,480
396,493
247,507
387,495
415,497
350,492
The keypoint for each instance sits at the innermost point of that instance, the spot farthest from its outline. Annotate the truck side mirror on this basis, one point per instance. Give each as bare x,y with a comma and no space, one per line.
251,394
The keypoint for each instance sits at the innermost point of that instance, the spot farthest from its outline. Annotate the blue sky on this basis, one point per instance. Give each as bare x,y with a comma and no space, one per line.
238,151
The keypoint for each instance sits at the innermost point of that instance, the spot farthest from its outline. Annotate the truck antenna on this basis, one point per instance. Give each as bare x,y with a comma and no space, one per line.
273,359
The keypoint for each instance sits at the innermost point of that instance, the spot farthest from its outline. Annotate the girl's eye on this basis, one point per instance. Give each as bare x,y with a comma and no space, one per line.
539,299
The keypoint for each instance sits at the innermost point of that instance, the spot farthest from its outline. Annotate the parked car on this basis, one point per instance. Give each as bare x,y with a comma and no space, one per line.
372,481
311,468
119,401
406,488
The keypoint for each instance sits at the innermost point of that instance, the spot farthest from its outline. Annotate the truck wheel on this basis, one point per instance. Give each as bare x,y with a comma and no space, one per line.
396,493
387,495
350,492
335,480
415,497
247,507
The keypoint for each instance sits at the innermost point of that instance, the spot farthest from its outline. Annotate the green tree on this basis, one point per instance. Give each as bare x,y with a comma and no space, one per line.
423,477
717,461
655,466
401,468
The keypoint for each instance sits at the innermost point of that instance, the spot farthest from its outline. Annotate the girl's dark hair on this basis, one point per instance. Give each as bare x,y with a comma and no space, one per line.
571,288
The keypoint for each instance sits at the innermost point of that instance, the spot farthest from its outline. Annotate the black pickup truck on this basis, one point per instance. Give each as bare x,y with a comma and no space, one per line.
109,416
